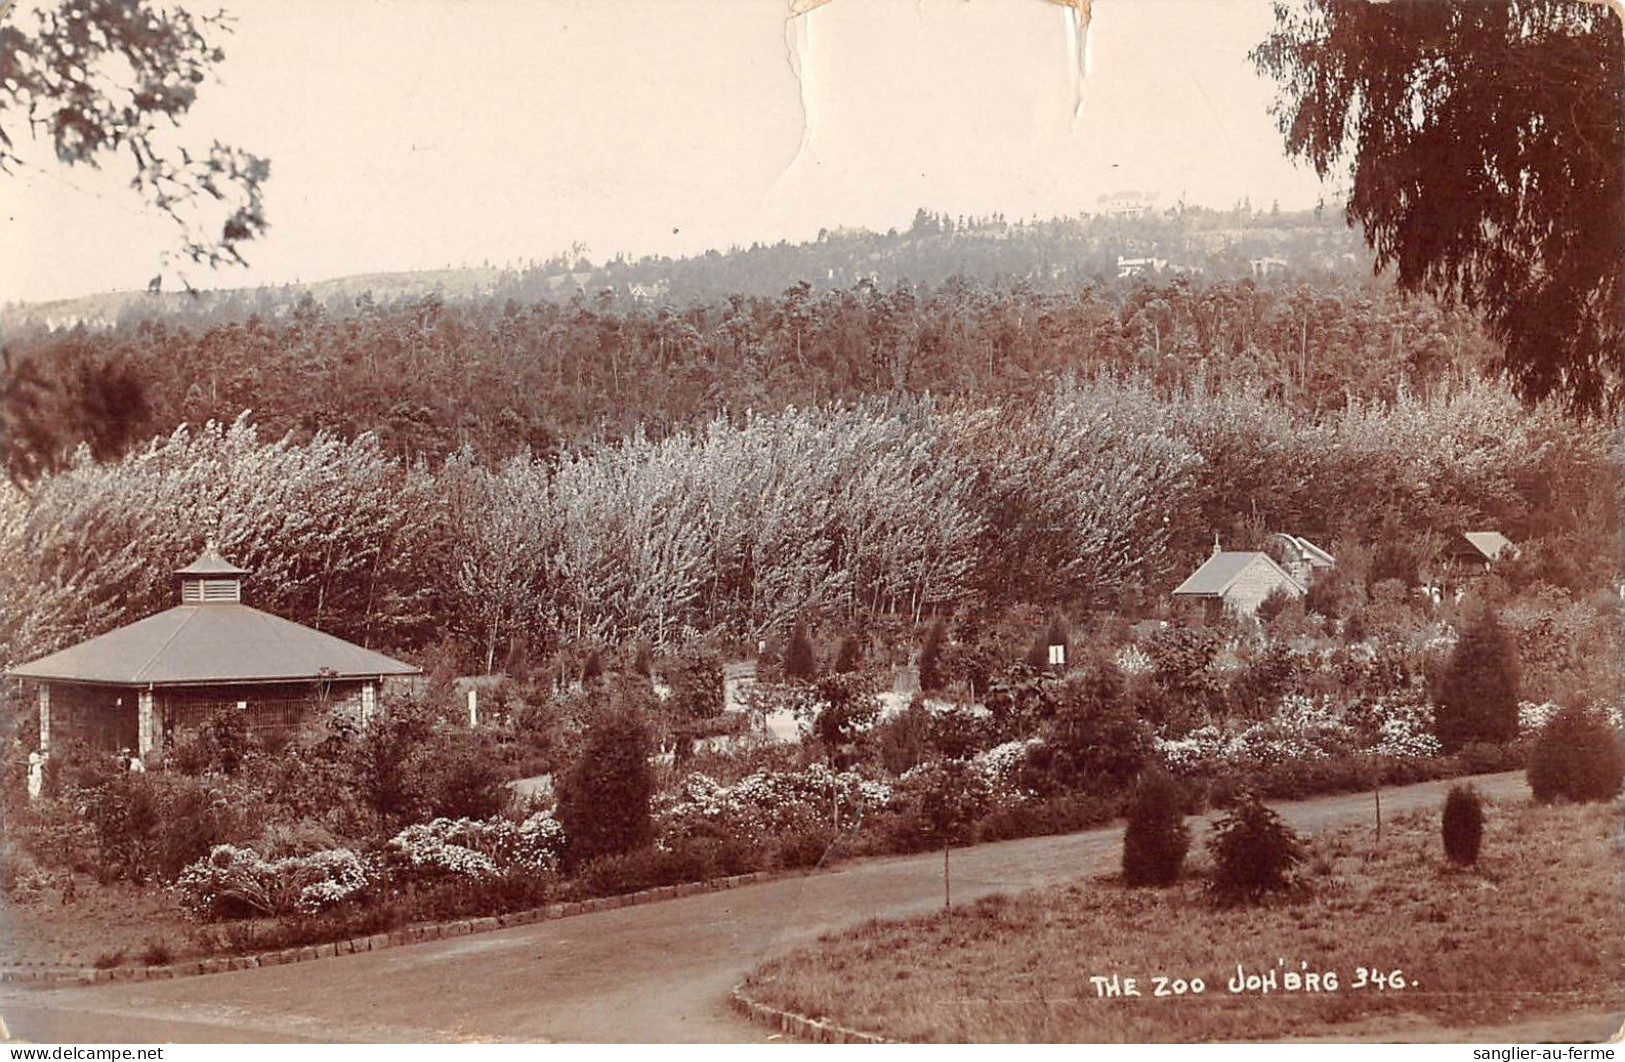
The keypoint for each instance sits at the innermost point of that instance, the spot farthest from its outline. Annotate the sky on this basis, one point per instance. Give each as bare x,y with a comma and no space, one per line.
417,134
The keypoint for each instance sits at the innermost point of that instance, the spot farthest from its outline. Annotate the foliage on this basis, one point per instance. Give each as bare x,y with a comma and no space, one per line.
1463,824
1505,197
1020,699
1476,698
604,799
904,740
768,803
800,661
479,849
1094,741
841,707
1155,838
232,881
100,77
948,796
1253,851
1579,756
849,657
933,675
695,679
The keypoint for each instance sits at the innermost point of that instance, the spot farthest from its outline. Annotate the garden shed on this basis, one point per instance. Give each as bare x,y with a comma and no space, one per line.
1235,581
137,686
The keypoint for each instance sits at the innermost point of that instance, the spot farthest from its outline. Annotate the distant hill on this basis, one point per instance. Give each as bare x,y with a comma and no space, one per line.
1049,255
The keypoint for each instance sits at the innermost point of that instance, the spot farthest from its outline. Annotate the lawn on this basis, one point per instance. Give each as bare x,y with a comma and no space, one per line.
113,924
1537,928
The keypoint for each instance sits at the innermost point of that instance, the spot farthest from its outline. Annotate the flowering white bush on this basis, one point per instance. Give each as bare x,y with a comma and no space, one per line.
999,765
1308,728
1132,660
1202,751
231,877
479,848
767,801
1533,717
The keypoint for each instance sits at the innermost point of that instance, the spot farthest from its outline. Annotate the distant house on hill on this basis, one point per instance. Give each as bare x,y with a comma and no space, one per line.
1125,204
1479,548
138,685
1235,581
1139,267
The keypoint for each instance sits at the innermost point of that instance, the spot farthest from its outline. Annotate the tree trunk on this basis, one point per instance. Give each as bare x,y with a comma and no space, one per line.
1376,791
947,892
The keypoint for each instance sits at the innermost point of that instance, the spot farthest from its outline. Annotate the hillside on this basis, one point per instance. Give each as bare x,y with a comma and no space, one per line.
1050,254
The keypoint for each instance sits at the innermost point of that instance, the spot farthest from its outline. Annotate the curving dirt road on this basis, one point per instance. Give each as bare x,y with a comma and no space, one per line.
654,973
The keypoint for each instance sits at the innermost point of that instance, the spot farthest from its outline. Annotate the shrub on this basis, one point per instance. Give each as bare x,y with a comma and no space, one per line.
460,775
800,662
109,959
904,740
849,657
1577,757
1094,741
477,849
933,675
1047,817
157,953
1156,838
1253,851
1274,603
804,847
232,882
1463,825
695,680
1477,692
604,798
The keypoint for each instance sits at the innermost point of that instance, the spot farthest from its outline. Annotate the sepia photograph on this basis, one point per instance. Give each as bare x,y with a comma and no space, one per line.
812,521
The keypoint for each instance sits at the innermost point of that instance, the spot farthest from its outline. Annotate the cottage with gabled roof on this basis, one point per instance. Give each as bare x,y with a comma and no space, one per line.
136,686
1236,581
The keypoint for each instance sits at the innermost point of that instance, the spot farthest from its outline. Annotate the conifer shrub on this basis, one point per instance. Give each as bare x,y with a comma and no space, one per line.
1476,694
593,669
800,662
604,798
1254,852
1463,825
1156,838
933,675
849,657
1577,757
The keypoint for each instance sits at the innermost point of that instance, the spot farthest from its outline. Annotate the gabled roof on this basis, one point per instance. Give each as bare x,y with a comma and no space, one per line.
1317,557
1489,543
213,643
1220,571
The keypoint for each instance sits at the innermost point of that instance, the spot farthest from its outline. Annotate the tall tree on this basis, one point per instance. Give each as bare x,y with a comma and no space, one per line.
1485,139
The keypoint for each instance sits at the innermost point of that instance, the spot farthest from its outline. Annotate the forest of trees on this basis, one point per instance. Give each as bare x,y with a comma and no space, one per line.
432,377
1090,496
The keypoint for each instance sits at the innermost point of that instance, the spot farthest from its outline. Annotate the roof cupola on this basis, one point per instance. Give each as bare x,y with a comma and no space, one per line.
211,579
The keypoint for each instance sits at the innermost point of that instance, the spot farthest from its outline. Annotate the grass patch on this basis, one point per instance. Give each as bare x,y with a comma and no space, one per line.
1535,928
